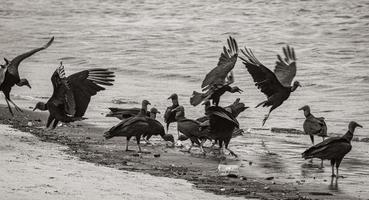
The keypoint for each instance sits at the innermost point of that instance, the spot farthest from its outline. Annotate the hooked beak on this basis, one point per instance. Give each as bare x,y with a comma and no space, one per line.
358,125
29,86
302,108
158,112
34,108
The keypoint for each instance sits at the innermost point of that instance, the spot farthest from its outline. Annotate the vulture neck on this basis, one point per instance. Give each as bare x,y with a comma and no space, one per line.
307,113
175,102
143,110
152,115
349,135
294,87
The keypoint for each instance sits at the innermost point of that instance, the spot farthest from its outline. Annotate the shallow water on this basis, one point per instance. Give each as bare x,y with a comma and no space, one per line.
160,47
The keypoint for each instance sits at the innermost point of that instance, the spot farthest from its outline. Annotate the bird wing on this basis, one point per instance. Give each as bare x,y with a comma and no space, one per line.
221,112
226,63
130,122
122,113
13,66
198,97
321,146
265,79
169,115
3,70
86,84
312,125
335,150
285,69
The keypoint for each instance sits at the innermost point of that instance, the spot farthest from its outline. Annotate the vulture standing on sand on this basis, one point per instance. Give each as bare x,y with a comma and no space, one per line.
169,115
190,129
333,149
72,94
221,126
9,74
136,127
156,128
219,79
314,125
276,86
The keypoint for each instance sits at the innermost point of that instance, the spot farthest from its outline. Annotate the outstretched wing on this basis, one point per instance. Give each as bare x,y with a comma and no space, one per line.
86,84
285,69
13,66
225,64
265,79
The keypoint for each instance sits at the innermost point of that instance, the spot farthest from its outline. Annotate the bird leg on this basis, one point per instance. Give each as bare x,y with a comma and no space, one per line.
15,106
138,144
265,118
10,109
128,138
332,164
261,103
231,152
312,139
201,146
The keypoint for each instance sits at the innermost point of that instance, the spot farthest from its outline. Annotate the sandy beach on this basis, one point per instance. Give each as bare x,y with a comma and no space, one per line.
80,164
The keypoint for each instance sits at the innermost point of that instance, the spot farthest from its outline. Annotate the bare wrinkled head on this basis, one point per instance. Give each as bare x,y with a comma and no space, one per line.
169,137
305,108
40,106
154,111
236,89
296,84
352,125
174,96
145,103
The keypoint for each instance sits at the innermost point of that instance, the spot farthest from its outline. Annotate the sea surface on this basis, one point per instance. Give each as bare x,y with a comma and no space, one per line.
159,47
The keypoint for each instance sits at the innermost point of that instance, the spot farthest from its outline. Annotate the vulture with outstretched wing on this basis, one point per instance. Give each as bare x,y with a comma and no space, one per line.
218,80
72,94
9,74
276,86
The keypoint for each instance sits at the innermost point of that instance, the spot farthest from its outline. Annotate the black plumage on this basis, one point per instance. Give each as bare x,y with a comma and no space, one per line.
156,128
72,94
137,126
334,148
125,113
190,129
276,86
219,79
9,74
222,124
314,125
170,115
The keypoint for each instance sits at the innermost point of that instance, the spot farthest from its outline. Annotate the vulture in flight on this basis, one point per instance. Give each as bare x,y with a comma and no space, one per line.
9,74
72,94
276,86
333,148
219,79
314,125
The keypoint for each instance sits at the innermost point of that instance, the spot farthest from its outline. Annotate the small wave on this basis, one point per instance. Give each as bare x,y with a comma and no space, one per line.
179,76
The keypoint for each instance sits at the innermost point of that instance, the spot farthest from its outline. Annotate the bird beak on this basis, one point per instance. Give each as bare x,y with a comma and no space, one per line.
301,108
29,86
34,108
158,112
358,125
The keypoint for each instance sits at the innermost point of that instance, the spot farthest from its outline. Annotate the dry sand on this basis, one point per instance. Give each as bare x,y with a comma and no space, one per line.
31,169
36,170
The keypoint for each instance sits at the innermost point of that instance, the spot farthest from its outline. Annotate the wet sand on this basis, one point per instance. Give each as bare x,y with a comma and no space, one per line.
86,142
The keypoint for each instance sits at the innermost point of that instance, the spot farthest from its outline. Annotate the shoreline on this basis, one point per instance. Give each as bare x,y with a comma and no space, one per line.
85,141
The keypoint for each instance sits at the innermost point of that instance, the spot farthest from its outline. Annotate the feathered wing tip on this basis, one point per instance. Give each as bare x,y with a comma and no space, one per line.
233,47
250,57
101,76
61,71
196,98
49,43
289,54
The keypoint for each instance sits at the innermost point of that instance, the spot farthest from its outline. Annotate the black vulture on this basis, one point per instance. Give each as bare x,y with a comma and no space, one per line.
156,128
9,74
137,126
219,79
169,115
314,125
124,113
221,127
333,148
190,129
276,86
72,94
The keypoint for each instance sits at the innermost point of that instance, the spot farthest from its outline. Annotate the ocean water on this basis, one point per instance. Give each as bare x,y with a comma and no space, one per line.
160,47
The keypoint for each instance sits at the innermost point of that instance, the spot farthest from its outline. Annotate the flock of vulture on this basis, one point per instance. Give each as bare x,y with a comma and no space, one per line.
72,94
